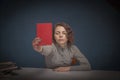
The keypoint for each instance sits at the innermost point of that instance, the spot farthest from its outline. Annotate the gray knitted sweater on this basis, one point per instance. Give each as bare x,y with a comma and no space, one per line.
56,56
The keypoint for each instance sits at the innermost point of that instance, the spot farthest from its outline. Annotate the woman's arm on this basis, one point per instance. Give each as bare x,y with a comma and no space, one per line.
35,44
84,63
44,50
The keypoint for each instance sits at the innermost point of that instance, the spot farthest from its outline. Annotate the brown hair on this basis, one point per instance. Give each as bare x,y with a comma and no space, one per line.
69,32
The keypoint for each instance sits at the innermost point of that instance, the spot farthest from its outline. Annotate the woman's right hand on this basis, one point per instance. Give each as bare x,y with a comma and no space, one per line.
35,44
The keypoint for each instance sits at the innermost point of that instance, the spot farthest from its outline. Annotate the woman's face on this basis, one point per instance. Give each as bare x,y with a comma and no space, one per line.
60,35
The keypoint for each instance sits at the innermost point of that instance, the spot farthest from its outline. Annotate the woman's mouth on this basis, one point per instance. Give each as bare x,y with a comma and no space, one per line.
60,39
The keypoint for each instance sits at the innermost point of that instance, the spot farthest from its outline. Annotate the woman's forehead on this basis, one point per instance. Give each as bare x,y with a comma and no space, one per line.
60,28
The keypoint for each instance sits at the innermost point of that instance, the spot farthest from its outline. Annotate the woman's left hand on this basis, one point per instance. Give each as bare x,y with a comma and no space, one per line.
62,69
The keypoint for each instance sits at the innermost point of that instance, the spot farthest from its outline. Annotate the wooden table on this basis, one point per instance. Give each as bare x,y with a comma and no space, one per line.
49,74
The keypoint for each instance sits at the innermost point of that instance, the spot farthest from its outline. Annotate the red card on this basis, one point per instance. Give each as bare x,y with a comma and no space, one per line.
44,32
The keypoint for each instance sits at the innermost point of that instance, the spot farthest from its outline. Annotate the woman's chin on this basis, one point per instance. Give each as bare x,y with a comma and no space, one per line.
61,44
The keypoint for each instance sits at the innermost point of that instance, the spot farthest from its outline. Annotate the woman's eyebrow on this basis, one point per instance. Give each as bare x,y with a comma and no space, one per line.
57,31
64,31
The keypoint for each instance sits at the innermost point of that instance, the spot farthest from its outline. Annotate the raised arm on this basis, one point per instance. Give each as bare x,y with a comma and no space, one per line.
44,50
35,44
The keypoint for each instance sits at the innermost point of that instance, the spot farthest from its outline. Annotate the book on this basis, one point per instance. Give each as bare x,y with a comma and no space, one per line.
44,32
6,66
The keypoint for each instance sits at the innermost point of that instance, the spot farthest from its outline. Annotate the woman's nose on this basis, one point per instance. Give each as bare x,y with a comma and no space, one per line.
60,35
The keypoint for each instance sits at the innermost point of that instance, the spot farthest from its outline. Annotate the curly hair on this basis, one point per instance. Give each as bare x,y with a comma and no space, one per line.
68,30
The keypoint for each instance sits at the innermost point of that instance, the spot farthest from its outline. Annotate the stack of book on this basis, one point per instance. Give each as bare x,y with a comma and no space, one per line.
7,67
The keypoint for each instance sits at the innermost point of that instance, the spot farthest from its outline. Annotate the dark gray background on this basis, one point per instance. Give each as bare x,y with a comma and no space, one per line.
95,25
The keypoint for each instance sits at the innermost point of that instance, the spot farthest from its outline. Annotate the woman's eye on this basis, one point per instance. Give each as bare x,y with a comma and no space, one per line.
56,33
64,33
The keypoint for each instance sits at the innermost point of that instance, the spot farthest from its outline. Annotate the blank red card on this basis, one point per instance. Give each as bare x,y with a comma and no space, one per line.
44,32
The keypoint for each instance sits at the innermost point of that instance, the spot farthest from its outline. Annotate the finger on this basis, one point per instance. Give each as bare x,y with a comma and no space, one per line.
36,41
59,70
37,38
62,70
56,69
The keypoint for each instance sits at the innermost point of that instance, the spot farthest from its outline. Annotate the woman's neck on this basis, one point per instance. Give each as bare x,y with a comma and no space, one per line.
63,45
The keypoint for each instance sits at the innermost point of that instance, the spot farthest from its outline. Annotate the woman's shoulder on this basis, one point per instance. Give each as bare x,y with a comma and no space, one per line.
53,46
48,46
74,46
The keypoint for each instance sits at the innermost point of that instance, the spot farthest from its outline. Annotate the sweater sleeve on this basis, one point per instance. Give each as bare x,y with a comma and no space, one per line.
84,63
46,50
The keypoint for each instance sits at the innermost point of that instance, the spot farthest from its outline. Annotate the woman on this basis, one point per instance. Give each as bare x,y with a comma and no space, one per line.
59,55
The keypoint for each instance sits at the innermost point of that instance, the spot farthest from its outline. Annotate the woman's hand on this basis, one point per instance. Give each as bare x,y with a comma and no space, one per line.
62,69
35,44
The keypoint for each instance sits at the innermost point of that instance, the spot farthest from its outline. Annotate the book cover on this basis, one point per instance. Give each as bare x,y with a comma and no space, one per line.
44,32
